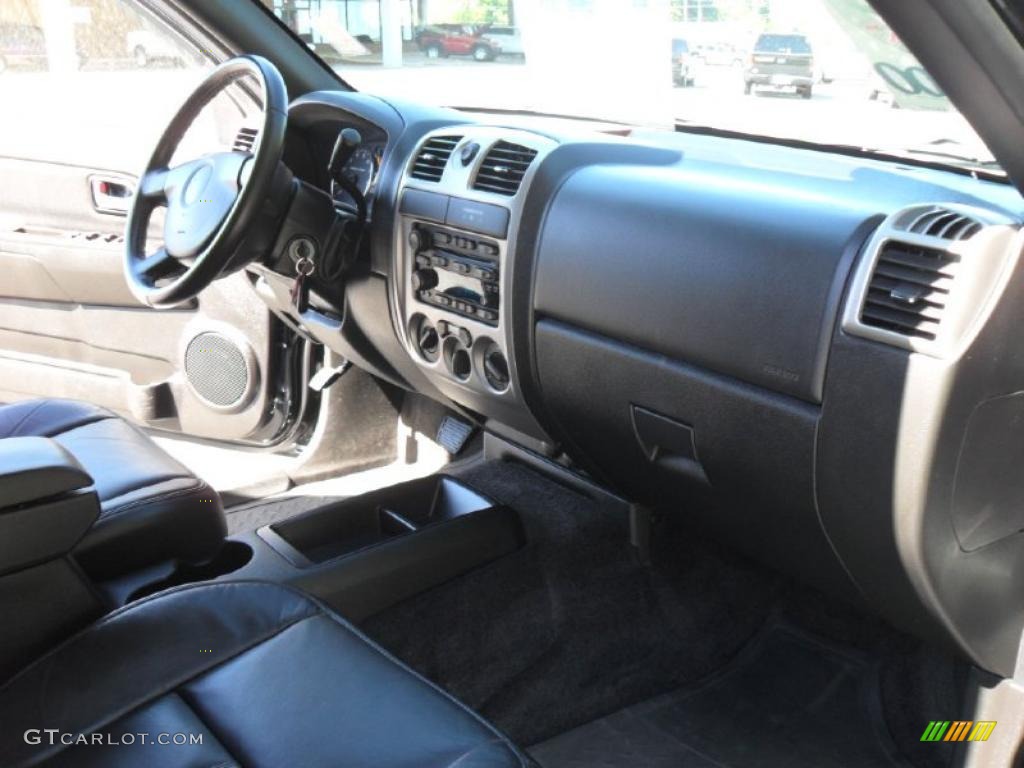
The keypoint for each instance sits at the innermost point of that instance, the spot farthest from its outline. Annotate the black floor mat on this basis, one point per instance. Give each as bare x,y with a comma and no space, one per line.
572,626
788,701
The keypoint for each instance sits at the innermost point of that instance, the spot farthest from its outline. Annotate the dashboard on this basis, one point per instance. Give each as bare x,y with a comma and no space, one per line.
811,356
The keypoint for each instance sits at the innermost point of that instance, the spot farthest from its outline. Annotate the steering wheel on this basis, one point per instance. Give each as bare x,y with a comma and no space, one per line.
212,202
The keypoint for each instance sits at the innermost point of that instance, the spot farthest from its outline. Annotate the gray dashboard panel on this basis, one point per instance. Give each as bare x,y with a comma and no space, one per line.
724,274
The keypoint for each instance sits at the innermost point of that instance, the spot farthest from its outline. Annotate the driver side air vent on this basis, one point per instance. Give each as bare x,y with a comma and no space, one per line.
942,222
503,168
430,163
909,290
246,139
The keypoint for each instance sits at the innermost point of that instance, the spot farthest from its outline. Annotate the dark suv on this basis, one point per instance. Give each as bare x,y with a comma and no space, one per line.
781,61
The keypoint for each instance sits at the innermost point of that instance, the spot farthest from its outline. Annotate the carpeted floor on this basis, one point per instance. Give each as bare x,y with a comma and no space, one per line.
786,700
573,628
701,655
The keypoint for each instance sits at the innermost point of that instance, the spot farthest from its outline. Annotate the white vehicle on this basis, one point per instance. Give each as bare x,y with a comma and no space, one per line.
509,38
147,47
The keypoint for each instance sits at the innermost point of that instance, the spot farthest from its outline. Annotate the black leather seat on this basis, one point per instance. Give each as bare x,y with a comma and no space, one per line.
152,507
265,675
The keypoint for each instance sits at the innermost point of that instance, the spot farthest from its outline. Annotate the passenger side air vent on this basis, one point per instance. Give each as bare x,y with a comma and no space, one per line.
944,223
246,139
503,168
909,289
430,163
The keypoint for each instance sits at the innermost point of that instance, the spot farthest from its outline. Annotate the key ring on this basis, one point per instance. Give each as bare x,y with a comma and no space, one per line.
304,267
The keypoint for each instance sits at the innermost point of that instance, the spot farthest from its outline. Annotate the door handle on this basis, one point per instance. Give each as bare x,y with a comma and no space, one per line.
111,194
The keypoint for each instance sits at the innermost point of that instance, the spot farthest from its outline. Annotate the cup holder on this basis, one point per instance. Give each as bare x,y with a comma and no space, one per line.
233,556
366,521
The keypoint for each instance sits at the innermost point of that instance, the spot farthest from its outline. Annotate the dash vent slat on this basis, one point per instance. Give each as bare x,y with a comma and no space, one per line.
944,223
909,288
246,140
503,168
433,158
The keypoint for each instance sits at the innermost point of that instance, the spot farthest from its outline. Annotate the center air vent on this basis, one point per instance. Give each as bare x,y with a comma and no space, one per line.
503,168
936,221
909,290
246,139
432,159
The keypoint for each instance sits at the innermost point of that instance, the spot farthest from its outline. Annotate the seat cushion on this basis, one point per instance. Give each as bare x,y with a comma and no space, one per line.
152,507
261,674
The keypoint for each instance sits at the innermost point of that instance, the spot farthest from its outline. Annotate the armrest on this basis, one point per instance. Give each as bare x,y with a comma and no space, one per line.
35,468
46,505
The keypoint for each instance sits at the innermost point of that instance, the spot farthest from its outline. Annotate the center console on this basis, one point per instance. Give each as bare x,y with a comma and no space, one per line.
359,555
460,203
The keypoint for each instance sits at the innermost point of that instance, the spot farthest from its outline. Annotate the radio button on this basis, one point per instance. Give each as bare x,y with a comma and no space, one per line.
417,240
439,261
484,273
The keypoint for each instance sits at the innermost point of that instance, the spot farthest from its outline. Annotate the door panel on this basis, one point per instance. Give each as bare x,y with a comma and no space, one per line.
69,326
54,245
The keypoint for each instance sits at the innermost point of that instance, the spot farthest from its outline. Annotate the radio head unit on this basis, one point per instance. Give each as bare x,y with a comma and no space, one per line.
456,272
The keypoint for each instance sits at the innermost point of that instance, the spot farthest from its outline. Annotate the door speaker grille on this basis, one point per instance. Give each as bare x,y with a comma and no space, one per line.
217,369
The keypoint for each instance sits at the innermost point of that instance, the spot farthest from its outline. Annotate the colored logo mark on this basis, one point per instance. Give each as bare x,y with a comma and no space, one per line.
958,730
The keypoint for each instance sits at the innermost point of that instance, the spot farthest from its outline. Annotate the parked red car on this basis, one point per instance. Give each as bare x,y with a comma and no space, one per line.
440,40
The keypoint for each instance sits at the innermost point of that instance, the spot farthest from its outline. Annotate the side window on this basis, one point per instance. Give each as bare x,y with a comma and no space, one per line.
94,84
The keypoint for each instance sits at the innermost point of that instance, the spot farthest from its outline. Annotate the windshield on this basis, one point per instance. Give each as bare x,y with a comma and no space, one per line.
821,71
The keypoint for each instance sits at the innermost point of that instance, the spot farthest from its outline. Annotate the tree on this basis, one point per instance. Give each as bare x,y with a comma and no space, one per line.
485,12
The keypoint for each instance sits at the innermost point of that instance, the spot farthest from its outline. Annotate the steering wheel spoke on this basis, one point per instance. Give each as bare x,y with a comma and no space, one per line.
157,265
153,185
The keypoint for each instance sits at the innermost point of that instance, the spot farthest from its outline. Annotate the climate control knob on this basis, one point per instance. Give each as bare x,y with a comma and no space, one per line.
426,339
496,368
424,279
